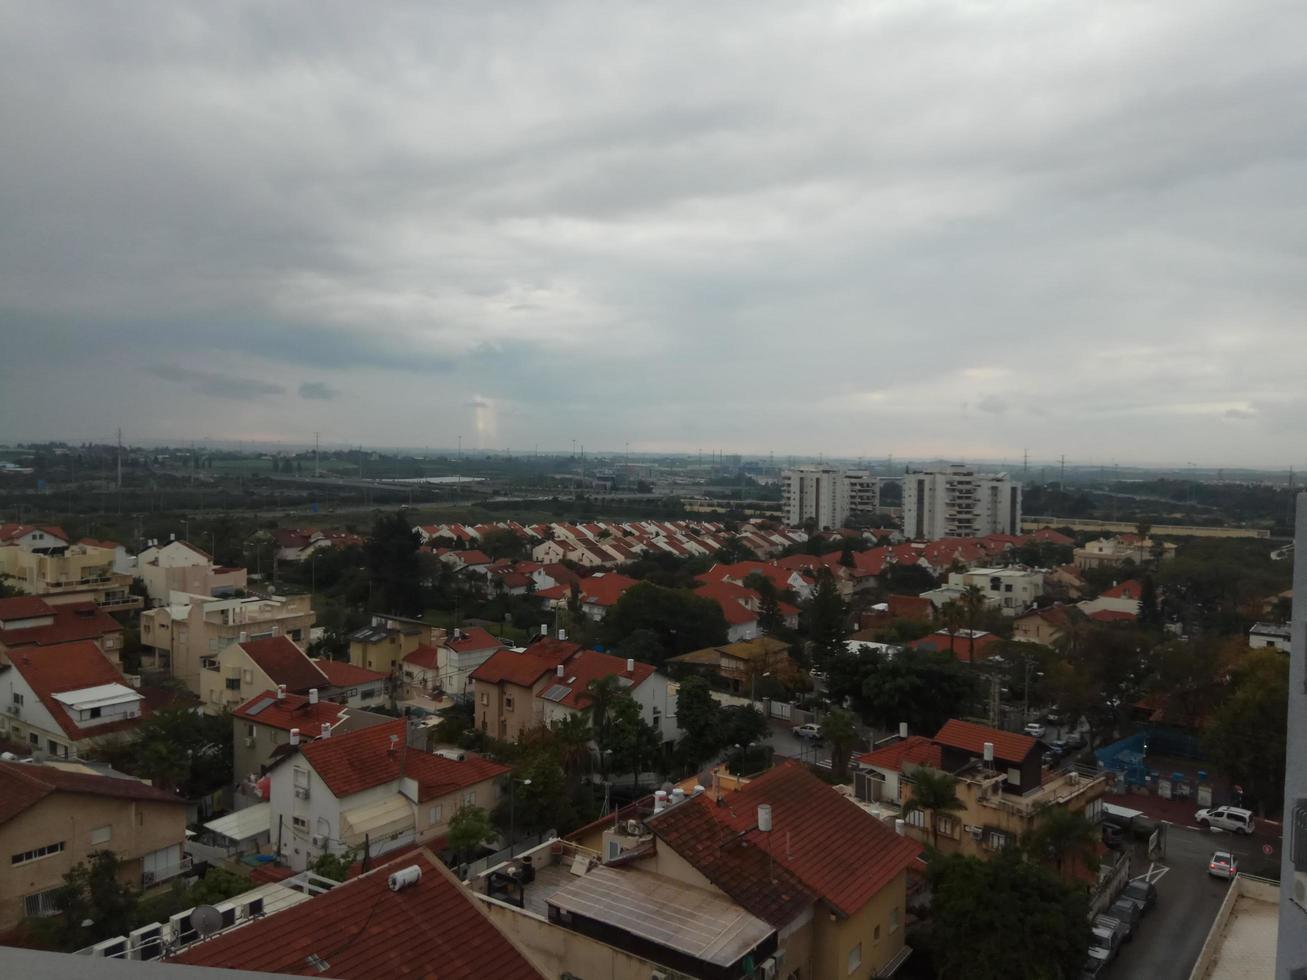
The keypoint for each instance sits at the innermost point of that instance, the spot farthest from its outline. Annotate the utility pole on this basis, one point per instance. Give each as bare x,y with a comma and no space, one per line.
1062,477
1025,465
120,457
317,446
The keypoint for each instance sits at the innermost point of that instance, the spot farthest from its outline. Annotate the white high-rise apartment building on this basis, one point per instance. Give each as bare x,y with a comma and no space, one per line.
827,495
958,502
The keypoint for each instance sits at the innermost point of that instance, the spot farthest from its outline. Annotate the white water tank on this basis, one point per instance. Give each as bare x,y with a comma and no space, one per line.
313,695
900,827
404,878
903,729
989,751
764,817
660,801
294,736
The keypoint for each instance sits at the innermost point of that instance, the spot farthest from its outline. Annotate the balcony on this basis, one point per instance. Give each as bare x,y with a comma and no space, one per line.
120,603
159,875
1059,789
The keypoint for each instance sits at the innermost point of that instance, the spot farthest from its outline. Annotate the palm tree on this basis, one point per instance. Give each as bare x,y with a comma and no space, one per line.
1060,834
951,615
933,791
973,601
572,735
840,728
602,691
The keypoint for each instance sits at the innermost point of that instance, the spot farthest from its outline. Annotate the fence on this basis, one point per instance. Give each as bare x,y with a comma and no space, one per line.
476,867
1110,885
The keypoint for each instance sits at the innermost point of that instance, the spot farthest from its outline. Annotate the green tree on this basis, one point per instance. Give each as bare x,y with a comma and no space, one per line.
924,689
734,550
333,866
94,890
1245,736
392,557
469,828
698,717
932,792
681,620
840,729
973,605
951,615
1060,834
827,617
572,735
603,693
634,742
1004,918
769,606
543,804
1150,613
502,543
177,748
644,646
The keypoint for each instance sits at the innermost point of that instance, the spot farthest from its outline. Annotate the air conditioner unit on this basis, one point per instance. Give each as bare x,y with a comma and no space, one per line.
180,928
316,840
146,943
976,832
302,792
14,709
115,948
249,742
1298,854
767,969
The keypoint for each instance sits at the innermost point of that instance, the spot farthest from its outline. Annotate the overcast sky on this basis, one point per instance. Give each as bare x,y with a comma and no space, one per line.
880,227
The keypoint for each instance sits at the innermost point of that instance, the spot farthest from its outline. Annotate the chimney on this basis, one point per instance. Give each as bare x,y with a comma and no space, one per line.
394,744
903,729
630,665
989,752
558,671
313,695
900,826
244,637
294,736
281,692
326,729
764,817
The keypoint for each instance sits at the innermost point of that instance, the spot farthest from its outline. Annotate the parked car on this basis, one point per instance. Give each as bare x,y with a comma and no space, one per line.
810,730
1035,730
1119,928
1223,865
1053,715
1104,940
1075,739
1095,964
1232,818
1129,913
1142,892
1060,746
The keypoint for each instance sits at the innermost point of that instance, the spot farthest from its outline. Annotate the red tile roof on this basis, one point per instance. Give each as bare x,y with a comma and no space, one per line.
938,642
72,621
914,750
359,760
342,673
23,785
425,657
970,737
11,532
1129,589
526,667
361,930
606,588
292,711
60,667
1049,536
285,663
24,607
1113,616
910,607
472,557
590,665
473,638
826,844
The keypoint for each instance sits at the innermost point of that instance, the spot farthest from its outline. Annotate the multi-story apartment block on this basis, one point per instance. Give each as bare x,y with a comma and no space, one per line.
38,563
192,627
179,566
826,495
958,502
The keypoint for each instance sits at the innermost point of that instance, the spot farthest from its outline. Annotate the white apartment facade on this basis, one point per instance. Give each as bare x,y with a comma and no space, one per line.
827,495
1010,590
958,502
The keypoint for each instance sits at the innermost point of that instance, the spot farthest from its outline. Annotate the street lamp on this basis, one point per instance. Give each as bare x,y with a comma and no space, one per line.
512,816
753,685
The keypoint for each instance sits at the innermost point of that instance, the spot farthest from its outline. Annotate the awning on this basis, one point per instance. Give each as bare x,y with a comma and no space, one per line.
391,817
244,824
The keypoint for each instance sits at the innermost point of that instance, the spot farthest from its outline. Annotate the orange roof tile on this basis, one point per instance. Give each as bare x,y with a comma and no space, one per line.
292,711
526,667
285,663
970,737
342,673
590,665
60,667
915,749
23,785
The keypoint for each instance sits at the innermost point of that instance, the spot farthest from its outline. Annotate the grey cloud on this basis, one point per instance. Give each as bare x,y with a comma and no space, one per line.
477,403
214,384
992,404
317,391
1239,413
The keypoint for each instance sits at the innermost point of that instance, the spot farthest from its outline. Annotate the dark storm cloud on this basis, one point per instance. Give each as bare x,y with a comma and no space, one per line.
774,225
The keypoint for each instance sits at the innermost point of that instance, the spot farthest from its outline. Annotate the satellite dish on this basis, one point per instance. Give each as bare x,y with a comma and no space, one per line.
205,920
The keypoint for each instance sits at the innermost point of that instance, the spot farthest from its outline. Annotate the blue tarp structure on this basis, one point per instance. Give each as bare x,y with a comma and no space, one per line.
1128,757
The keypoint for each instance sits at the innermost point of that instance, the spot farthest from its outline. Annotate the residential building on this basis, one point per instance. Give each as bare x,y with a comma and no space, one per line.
1110,552
387,640
504,688
33,537
448,665
1291,943
1001,783
179,566
357,687
1120,602
827,496
1009,590
52,818
741,664
336,792
263,725
63,698
1045,626
830,878
27,621
62,573
1277,636
567,694
600,592
247,667
368,929
191,627
958,502
1241,942
964,644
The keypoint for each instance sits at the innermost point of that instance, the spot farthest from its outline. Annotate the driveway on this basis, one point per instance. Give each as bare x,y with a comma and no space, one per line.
1172,935
782,740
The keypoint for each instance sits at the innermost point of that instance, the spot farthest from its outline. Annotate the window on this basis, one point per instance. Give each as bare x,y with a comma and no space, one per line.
233,683
94,712
364,694
1094,811
485,697
296,635
1007,588
508,702
915,818
996,840
34,738
470,798
895,919
437,815
37,854
946,825
875,933
855,957
101,835
1014,777
249,730
42,903
247,676
300,824
301,778
18,698
52,746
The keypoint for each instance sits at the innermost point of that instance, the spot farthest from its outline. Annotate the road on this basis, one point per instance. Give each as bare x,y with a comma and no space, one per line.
1171,937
